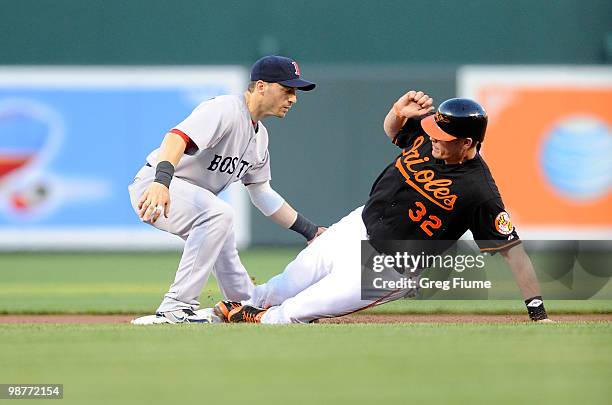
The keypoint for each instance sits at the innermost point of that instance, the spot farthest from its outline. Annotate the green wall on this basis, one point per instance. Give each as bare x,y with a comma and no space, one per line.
315,31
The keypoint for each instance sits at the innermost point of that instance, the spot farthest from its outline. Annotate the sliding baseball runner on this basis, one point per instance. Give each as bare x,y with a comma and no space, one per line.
436,189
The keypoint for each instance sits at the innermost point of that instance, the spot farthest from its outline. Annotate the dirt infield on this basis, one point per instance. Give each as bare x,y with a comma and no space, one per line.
349,319
459,318
66,318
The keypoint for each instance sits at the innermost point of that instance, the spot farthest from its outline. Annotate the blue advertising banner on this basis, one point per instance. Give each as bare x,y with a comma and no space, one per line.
71,140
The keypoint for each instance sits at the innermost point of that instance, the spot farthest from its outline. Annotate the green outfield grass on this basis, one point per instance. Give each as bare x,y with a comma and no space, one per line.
564,363
136,282
307,364
106,282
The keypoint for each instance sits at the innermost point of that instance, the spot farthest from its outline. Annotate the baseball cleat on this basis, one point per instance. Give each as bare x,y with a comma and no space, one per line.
149,320
223,308
246,313
183,315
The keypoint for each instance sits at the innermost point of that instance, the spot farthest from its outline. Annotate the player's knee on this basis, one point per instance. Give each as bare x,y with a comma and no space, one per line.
225,216
218,214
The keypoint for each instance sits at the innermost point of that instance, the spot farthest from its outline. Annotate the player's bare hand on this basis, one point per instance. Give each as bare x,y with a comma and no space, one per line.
154,201
319,232
414,104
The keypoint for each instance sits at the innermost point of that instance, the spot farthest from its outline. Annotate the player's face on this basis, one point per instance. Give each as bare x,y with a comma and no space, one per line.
279,99
449,151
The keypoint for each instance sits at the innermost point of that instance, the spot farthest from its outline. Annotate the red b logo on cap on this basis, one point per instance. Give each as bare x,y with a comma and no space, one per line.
297,68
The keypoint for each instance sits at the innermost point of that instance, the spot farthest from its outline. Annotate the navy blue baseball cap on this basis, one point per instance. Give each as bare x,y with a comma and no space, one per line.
279,69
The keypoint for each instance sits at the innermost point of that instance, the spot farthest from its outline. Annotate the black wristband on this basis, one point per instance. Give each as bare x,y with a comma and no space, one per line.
164,172
304,226
535,307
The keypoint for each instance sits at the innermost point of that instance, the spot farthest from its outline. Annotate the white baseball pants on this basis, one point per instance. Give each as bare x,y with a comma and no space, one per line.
205,223
323,281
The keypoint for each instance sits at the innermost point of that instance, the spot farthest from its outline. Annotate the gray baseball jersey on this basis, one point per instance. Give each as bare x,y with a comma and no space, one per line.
224,146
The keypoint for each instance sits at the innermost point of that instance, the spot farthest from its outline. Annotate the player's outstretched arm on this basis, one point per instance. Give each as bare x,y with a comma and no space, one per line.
289,218
156,198
410,105
527,281
273,206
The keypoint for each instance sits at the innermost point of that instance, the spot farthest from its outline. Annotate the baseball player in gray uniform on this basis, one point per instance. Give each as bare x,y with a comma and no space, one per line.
222,141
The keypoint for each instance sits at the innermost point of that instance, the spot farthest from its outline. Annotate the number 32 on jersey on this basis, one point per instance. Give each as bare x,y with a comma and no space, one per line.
432,221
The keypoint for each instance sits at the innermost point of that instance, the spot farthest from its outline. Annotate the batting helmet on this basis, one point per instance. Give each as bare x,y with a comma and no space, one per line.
457,118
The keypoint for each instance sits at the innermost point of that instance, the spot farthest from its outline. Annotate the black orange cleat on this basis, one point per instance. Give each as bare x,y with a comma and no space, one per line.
247,314
223,308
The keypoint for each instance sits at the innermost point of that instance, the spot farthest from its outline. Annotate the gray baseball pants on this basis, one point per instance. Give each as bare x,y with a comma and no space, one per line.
205,223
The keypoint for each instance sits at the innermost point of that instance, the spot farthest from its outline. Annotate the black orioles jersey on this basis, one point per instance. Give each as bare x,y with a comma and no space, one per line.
418,197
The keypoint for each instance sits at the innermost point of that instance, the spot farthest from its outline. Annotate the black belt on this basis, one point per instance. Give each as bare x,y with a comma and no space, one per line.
148,164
